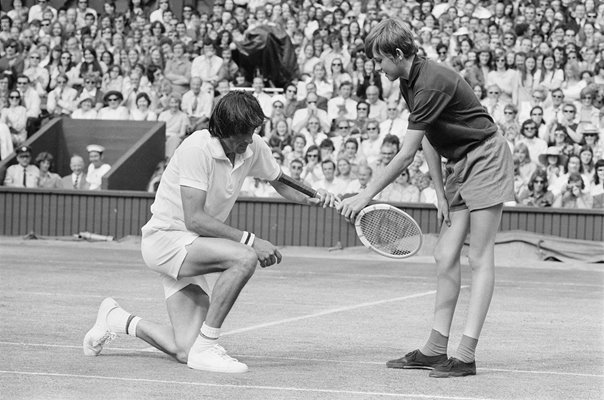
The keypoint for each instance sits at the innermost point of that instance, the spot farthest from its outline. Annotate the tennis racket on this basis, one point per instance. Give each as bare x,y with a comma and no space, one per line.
382,228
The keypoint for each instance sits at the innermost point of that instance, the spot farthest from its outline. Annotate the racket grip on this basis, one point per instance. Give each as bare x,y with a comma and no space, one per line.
300,187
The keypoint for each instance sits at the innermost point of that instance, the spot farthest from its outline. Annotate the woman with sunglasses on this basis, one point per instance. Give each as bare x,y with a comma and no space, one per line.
114,110
536,146
15,117
537,194
65,67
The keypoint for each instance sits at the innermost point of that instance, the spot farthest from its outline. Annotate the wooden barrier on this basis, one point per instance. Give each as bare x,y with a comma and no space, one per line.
122,213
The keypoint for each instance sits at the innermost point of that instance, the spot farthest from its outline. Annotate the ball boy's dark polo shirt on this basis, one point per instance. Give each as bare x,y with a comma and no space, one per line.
444,105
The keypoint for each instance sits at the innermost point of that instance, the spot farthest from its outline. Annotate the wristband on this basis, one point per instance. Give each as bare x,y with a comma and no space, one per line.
247,238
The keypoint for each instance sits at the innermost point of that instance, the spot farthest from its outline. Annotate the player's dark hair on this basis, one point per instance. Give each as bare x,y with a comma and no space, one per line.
389,35
237,113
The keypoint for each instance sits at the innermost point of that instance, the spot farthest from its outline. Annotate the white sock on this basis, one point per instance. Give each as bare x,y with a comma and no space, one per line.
118,319
207,337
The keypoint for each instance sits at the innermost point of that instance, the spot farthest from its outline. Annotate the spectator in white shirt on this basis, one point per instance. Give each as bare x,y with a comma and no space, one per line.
342,106
207,65
197,104
62,100
377,107
265,100
85,109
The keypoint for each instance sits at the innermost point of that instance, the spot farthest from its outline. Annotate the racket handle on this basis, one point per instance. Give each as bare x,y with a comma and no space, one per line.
300,187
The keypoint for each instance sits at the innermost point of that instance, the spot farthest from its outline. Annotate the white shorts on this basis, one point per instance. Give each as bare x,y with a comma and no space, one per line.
164,252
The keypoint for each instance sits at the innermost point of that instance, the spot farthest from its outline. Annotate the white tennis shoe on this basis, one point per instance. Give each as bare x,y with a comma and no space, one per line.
215,359
100,334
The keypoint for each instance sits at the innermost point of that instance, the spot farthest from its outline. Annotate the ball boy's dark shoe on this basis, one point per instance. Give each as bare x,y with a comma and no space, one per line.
416,360
453,368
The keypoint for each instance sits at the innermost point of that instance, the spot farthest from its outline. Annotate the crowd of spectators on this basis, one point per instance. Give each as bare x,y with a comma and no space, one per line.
536,66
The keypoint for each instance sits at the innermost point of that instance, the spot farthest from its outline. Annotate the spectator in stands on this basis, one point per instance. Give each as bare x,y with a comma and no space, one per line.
32,102
90,90
97,168
535,145
90,66
573,166
587,163
6,141
597,186
12,61
377,107
330,182
114,110
387,152
197,105
207,65
526,166
494,103
591,137
370,147
113,80
586,112
573,194
342,106
62,100
363,177
143,112
40,10
296,166
178,69
400,191
176,124
327,149
298,149
312,169
552,162
15,117
537,193
77,179
339,75
47,179
85,109
38,75
302,116
371,77
396,122
313,132
536,114
504,78
344,172
569,112
263,98
427,193
23,174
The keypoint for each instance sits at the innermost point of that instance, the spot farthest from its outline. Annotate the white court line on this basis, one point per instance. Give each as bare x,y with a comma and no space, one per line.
305,359
271,388
327,312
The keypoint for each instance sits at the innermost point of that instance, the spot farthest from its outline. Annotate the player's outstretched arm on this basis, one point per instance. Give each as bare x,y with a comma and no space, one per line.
324,199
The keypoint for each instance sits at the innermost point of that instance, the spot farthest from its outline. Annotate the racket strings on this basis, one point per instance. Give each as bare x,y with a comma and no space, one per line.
390,232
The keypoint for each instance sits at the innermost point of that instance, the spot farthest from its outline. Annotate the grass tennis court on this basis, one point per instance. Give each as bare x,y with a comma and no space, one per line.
321,325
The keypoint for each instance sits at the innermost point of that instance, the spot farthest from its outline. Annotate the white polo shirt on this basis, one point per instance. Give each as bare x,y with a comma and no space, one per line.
200,162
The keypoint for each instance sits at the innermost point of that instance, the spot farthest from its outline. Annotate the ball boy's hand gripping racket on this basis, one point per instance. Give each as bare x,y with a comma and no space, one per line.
381,227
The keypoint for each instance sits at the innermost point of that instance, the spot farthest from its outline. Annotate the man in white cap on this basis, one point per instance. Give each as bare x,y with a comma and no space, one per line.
97,169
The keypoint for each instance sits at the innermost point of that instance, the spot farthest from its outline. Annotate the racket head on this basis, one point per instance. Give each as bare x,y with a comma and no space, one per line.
388,231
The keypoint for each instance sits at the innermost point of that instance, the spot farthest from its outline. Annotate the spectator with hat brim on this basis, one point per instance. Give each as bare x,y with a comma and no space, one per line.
553,161
592,138
97,169
114,109
23,174
85,109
